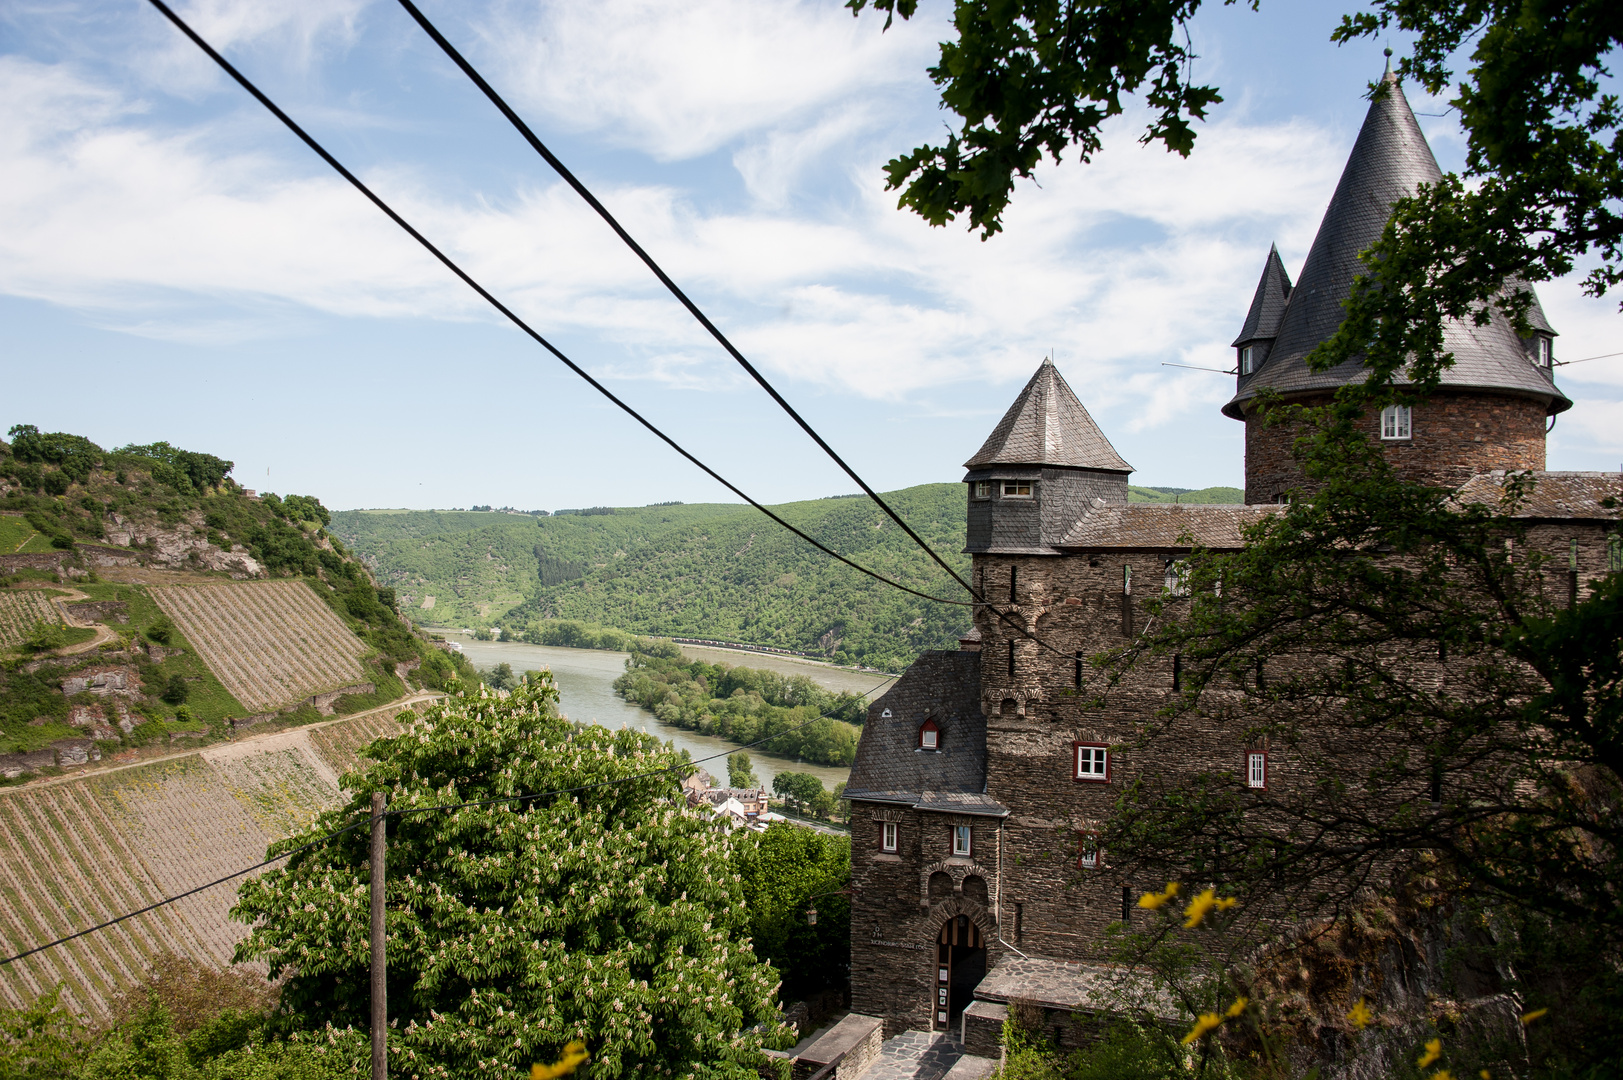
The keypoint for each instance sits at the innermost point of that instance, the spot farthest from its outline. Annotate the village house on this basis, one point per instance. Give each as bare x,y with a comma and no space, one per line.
980,775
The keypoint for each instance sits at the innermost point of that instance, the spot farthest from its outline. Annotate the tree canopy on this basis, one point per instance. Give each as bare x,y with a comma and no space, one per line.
606,912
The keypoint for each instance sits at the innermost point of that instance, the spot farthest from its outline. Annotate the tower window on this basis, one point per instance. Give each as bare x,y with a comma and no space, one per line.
929,735
960,840
1396,422
1016,489
888,841
1087,852
1256,769
1093,762
1247,359
1614,553
1079,669
1177,579
1543,349
981,489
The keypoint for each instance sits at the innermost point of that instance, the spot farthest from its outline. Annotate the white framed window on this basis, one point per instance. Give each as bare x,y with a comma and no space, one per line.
929,735
981,489
1256,769
1087,851
1177,581
1543,350
1092,762
960,839
888,838
1396,422
1247,359
1016,489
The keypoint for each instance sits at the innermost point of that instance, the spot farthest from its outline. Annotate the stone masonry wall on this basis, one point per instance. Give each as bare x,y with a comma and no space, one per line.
1454,437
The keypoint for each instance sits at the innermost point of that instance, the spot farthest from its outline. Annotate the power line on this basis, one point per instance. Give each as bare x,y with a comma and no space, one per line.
397,813
243,81
562,170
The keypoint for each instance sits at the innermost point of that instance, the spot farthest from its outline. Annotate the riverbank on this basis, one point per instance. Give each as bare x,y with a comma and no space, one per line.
585,679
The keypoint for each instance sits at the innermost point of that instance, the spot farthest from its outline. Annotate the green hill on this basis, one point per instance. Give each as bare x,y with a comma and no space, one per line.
710,570
1184,495
97,549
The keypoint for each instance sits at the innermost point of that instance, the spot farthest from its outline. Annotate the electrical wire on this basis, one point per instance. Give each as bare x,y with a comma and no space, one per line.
243,81
602,211
399,813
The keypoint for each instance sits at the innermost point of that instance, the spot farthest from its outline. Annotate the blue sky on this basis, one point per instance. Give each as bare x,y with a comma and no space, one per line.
174,265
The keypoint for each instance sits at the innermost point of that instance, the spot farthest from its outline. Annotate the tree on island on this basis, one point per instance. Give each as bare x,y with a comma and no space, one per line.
740,774
609,914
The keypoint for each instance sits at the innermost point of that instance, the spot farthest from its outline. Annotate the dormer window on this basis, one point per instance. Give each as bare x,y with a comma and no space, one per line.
1543,351
929,735
1247,359
1396,422
1016,489
980,489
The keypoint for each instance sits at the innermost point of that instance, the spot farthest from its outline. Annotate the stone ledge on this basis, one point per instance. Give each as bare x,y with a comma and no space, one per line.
853,1043
982,1030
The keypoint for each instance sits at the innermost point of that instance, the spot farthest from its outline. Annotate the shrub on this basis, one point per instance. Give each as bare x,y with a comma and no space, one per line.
176,691
161,630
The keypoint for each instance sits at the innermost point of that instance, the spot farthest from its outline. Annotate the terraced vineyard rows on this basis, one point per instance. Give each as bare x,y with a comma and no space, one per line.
270,643
19,611
75,853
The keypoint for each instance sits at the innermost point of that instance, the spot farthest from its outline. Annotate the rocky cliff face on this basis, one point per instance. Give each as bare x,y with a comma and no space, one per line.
184,546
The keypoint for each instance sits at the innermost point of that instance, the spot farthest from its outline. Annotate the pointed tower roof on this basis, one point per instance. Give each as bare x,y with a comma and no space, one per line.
1388,162
1268,303
1048,425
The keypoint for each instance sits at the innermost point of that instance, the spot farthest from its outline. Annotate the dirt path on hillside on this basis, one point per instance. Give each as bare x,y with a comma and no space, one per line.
244,745
104,633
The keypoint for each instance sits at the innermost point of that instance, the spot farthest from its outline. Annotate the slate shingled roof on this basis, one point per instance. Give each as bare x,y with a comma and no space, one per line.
890,767
1388,161
1137,526
1048,425
1267,303
1554,495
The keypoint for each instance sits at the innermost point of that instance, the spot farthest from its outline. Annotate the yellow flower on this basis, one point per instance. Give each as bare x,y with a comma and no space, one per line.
1434,1050
1534,1015
1198,908
1154,900
1226,902
1360,1016
1206,1022
1485,1074
1237,1008
1442,1074
574,1054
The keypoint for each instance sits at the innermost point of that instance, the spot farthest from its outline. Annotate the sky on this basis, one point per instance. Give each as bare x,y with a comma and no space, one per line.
174,265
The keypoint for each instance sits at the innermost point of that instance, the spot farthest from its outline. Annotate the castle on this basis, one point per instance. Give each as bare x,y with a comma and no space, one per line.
980,776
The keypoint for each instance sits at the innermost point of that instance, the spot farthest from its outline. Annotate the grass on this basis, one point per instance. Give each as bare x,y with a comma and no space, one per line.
13,532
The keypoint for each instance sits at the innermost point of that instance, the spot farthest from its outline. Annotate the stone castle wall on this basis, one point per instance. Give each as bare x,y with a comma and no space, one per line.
1455,436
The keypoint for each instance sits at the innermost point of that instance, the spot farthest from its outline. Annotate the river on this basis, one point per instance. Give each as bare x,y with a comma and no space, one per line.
585,679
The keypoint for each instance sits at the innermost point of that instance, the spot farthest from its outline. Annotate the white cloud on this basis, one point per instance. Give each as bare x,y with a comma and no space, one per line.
679,80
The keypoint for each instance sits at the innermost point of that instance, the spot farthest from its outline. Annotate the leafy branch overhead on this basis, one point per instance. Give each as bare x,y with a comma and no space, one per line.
1029,77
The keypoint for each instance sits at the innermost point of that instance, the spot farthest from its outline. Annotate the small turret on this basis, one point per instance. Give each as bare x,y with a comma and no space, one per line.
1044,463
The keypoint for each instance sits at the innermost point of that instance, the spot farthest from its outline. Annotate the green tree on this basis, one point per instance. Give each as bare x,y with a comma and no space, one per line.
43,1041
608,913
783,870
176,690
739,772
501,677
46,636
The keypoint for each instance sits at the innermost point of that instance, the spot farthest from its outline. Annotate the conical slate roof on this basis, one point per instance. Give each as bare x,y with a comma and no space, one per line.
1268,303
1048,425
1388,162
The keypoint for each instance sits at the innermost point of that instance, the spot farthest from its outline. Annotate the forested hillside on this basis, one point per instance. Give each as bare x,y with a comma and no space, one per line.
711,570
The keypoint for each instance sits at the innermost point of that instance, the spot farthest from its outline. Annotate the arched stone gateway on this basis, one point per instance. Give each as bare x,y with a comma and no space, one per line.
961,938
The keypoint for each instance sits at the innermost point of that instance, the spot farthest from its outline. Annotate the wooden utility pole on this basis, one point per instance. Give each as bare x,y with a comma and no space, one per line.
380,989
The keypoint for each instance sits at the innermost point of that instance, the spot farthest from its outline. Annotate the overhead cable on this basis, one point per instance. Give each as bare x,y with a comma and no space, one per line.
602,211
485,294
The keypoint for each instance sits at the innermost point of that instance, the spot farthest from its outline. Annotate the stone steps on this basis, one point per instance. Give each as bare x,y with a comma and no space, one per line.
926,1055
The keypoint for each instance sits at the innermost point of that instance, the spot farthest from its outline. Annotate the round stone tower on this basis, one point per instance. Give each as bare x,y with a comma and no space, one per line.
1494,404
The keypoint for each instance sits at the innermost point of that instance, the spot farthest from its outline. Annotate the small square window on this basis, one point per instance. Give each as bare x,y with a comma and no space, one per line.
960,839
1016,489
929,735
1093,762
1256,769
1396,422
888,841
981,489
1087,856
1247,355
